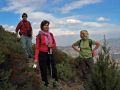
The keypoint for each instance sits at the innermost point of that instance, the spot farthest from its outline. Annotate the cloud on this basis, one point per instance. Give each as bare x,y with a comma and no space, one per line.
26,5
9,28
38,16
73,21
69,25
77,4
91,24
102,19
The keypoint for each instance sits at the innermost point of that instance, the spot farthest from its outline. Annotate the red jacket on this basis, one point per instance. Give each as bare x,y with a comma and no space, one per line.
23,26
41,45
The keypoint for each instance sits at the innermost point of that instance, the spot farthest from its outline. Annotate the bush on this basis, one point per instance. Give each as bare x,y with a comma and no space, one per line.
8,42
8,47
105,75
65,71
5,84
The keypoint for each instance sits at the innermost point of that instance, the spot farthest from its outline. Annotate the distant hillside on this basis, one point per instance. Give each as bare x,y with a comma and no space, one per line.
69,51
114,43
66,40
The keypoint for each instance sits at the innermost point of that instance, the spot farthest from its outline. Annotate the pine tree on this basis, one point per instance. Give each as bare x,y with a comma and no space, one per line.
106,74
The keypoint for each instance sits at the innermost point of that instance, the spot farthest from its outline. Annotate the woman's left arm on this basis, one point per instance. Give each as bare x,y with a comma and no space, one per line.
54,42
97,45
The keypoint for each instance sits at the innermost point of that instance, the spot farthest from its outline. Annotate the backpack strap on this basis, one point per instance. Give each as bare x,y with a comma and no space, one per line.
52,37
90,43
39,35
79,43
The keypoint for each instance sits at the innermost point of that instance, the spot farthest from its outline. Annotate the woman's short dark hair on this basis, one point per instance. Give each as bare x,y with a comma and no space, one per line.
24,14
43,23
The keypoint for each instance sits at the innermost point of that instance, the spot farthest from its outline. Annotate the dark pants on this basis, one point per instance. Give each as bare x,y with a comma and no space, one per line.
86,67
47,63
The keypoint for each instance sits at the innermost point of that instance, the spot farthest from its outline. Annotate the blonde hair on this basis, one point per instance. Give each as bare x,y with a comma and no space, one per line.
84,33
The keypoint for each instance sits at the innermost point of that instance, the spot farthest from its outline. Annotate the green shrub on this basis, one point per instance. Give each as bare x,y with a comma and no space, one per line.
105,75
8,41
65,71
5,84
2,57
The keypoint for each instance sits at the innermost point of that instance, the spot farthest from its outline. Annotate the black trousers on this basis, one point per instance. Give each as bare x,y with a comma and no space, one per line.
47,64
86,66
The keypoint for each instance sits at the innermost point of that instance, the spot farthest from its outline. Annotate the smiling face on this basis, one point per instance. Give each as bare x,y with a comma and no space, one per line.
84,34
46,27
81,35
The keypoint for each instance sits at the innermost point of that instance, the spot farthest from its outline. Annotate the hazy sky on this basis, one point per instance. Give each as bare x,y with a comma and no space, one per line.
67,17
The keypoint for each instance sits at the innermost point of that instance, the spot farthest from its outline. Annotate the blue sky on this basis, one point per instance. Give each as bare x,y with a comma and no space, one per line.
67,17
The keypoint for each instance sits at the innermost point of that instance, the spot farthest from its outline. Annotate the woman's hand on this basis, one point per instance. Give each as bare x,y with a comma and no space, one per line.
78,50
94,53
75,48
50,45
35,64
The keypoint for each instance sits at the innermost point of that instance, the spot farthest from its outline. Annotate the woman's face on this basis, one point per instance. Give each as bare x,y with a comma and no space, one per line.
82,35
46,27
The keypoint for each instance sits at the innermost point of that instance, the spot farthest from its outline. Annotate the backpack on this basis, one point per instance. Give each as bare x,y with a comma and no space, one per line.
90,43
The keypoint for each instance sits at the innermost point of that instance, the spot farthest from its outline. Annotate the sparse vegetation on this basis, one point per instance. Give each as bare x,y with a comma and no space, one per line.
106,75
16,75
5,70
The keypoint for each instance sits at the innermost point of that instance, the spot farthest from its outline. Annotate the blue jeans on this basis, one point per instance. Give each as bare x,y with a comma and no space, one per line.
26,43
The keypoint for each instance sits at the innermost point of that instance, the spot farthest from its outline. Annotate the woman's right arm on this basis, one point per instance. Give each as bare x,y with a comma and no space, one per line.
17,28
74,46
37,49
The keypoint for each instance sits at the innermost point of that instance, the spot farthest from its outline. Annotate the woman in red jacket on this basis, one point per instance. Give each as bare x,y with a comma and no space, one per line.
45,43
